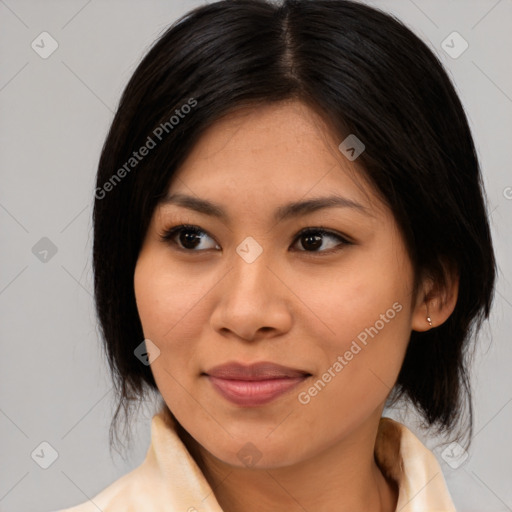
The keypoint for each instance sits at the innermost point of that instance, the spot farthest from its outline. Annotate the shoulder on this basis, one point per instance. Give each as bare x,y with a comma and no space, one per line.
122,494
167,479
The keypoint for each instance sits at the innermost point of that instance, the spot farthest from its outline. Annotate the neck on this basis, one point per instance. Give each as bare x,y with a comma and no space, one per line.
344,478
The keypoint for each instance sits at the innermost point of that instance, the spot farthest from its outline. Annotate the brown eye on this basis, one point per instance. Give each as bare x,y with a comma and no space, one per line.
313,239
188,238
193,239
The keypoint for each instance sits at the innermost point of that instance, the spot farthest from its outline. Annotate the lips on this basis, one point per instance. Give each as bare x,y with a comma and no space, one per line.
255,384
254,372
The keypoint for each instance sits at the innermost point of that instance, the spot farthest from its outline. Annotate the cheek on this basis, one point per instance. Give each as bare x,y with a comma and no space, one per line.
164,296
165,299
172,308
149,294
362,299
358,370
368,317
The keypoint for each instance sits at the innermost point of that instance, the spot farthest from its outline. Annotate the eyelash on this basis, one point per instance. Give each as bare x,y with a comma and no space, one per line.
169,234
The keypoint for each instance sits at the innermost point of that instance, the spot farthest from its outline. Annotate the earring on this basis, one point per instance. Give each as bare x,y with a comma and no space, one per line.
429,320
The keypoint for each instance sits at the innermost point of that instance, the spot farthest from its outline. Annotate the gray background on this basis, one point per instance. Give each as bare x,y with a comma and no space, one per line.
54,116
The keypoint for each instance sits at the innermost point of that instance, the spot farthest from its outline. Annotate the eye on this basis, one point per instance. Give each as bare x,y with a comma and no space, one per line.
190,238
313,238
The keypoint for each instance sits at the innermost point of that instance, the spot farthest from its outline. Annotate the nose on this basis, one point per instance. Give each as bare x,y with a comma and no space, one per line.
253,300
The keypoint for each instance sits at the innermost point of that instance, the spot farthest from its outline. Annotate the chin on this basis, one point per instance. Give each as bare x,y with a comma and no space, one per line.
256,452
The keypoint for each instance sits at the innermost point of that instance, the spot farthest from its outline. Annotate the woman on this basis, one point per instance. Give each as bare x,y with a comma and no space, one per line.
290,234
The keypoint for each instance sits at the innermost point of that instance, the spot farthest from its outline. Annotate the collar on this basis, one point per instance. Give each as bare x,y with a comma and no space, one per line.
170,479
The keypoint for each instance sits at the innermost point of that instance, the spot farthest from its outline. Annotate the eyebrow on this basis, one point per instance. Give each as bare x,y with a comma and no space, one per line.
287,211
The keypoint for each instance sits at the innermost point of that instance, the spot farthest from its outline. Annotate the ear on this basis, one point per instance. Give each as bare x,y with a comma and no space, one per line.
435,300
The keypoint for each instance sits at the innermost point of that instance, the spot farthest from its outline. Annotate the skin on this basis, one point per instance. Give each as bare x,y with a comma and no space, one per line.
297,304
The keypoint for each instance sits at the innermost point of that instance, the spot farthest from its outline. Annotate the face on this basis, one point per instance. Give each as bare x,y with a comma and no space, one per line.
322,297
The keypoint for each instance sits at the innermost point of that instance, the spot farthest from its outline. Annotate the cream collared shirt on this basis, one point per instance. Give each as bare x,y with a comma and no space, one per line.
169,480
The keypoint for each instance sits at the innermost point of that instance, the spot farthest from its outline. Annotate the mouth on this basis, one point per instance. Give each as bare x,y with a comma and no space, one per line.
255,384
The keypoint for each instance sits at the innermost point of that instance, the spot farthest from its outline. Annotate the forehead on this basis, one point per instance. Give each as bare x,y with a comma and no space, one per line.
266,132
268,153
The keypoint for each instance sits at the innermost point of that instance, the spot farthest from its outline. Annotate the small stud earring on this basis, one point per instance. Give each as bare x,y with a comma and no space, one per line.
429,320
